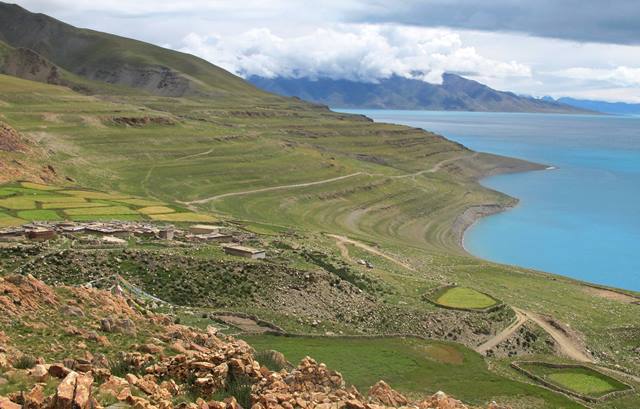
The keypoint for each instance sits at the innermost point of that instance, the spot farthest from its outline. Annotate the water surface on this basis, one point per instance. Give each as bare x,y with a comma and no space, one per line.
581,219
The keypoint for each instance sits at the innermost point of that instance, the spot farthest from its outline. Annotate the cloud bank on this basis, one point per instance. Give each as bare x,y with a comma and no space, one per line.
610,21
363,52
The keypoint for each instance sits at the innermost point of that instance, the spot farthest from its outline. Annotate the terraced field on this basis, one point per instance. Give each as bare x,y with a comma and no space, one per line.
25,202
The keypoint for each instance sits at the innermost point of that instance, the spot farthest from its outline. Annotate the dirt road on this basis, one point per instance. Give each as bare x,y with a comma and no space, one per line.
341,240
568,346
504,334
269,189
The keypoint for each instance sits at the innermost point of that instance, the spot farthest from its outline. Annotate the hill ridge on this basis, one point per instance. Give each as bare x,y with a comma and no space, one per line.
456,93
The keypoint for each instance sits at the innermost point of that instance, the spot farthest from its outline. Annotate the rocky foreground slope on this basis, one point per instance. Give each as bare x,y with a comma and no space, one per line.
167,365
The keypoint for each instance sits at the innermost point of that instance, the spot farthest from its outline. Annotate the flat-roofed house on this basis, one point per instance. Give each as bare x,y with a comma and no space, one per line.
166,234
41,233
203,229
242,251
219,237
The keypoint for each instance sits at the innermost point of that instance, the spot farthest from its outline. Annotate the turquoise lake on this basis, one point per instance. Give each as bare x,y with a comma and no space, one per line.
581,219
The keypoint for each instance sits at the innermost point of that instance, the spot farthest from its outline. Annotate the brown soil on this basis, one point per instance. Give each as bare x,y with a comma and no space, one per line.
246,325
611,295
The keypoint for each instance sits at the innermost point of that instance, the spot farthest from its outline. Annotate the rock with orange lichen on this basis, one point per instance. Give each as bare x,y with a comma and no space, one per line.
385,395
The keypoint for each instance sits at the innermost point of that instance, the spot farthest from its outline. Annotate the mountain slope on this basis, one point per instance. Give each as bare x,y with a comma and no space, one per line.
116,60
617,108
454,94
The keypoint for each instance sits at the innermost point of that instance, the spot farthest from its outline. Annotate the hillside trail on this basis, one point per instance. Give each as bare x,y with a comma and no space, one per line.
342,240
272,188
435,168
520,320
195,155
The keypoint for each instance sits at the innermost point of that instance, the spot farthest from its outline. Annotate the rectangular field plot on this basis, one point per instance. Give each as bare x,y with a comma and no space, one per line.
9,221
73,205
100,211
579,380
18,203
140,202
156,210
39,215
95,195
107,218
182,217
38,186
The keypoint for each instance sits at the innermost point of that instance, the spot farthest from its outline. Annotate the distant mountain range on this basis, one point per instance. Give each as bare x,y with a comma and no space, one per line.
456,93
616,108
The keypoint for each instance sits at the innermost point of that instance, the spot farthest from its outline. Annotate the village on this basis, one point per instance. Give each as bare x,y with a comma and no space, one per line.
119,233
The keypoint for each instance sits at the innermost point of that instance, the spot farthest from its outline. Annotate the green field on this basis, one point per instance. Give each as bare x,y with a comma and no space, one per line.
412,366
25,201
464,298
582,380
39,215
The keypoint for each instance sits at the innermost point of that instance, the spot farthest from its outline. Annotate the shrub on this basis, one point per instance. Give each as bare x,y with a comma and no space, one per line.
271,359
120,367
25,362
237,386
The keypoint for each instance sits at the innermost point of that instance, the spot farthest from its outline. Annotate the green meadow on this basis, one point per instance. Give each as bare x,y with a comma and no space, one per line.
413,366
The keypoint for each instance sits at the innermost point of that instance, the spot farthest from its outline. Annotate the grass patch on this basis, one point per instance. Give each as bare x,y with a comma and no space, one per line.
10,221
6,192
18,203
87,194
156,210
67,205
106,217
59,199
101,211
141,202
39,215
581,380
464,298
412,366
38,186
182,217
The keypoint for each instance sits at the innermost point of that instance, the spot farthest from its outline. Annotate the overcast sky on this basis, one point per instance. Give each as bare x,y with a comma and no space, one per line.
580,48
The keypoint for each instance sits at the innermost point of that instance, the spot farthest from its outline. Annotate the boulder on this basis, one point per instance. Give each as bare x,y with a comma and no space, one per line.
4,361
440,400
384,394
59,371
5,403
35,398
39,372
74,392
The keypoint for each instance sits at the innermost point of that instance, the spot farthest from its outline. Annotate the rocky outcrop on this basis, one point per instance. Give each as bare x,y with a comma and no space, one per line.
10,139
29,65
201,364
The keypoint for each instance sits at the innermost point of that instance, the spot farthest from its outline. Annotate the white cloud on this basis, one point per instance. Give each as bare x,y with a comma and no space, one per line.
362,52
622,76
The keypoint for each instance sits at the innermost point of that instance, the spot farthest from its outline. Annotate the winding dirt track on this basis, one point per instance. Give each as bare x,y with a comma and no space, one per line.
435,168
567,345
341,240
504,334
269,189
